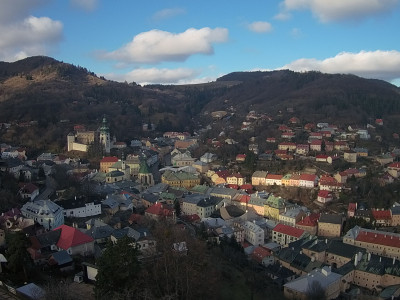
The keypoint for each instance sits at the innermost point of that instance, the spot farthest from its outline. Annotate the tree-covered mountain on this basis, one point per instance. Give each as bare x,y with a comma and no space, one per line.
48,91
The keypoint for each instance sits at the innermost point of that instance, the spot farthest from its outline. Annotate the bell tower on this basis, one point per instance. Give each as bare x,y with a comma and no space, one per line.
105,136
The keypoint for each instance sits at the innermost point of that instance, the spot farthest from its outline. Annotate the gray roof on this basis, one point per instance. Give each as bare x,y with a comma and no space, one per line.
223,191
329,218
345,250
49,238
100,232
62,257
324,276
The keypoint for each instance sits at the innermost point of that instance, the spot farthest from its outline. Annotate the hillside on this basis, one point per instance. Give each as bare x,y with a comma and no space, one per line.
45,90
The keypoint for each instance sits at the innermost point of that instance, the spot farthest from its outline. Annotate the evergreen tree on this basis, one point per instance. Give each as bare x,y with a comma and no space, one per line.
118,270
17,256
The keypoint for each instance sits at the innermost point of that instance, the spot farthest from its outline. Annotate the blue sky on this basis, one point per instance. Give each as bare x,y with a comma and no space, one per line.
174,42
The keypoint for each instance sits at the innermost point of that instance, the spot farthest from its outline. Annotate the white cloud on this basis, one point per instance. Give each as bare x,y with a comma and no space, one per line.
369,64
260,27
155,46
283,16
27,37
327,11
154,75
87,5
168,13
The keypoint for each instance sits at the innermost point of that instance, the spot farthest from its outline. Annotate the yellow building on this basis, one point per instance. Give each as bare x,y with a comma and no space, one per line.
180,179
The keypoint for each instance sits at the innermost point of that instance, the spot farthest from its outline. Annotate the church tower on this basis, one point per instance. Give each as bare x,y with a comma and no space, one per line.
70,141
105,136
144,175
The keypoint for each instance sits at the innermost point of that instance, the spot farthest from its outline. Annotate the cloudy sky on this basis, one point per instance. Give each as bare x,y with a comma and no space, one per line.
174,42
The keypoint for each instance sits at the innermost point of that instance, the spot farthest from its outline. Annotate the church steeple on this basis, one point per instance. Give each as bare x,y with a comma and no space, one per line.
105,135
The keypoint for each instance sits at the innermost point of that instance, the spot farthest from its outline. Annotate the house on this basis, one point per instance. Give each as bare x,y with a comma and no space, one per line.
302,149
274,206
287,146
374,241
382,217
292,216
361,152
329,281
180,159
253,233
271,140
329,183
107,162
308,180
284,234
287,135
160,211
29,191
315,136
240,157
208,157
394,169
273,179
350,156
395,212
180,179
309,223
74,241
322,158
351,209
324,196
206,206
45,212
330,225
263,256
79,208
236,178
379,122
316,145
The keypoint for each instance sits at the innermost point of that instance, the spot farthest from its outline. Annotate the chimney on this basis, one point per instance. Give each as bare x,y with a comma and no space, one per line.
356,260
380,258
369,256
394,260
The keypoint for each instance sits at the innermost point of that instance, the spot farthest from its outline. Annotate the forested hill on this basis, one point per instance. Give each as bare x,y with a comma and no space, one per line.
48,91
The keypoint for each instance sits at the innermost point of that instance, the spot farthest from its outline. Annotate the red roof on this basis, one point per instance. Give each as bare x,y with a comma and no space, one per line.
311,220
324,194
233,186
289,230
246,187
395,165
381,214
223,174
71,237
316,142
259,253
109,159
29,188
352,207
160,209
379,238
241,156
287,144
308,177
274,176
245,199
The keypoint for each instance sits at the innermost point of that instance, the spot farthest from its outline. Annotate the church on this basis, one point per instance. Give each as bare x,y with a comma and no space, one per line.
80,139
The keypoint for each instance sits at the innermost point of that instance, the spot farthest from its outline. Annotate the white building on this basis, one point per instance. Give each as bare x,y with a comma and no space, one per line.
45,212
78,208
253,233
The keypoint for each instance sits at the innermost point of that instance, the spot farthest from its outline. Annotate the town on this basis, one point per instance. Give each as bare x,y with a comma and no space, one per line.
310,209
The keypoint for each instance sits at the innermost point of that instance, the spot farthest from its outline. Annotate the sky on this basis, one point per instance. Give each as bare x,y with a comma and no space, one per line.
186,41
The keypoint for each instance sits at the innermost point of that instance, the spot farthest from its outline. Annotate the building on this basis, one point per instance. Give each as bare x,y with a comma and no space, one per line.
106,162
74,241
376,242
330,225
308,180
273,179
45,212
309,223
29,191
284,234
324,196
300,288
144,175
253,233
180,179
259,178
160,211
79,208
292,216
